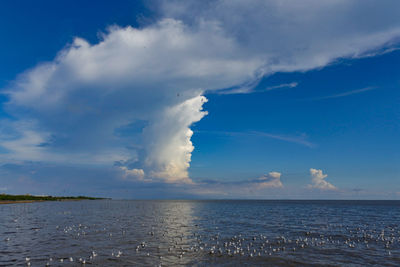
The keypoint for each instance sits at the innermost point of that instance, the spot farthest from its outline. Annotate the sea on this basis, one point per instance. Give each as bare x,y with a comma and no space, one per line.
200,233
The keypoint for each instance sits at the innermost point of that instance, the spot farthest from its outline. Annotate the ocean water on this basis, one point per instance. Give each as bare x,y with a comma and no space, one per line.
200,233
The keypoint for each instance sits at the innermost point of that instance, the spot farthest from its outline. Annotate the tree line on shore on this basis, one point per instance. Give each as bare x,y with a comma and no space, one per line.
6,197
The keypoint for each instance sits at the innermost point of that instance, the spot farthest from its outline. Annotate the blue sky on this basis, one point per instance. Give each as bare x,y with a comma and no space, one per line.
189,99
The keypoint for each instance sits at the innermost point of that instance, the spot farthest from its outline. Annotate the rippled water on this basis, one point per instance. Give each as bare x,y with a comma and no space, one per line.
201,233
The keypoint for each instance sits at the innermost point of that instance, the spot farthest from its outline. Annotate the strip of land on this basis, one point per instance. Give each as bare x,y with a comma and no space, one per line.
10,199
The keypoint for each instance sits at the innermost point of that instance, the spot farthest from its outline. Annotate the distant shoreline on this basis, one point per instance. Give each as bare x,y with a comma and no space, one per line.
19,201
14,199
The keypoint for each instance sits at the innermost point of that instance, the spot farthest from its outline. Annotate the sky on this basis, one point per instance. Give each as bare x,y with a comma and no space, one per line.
201,99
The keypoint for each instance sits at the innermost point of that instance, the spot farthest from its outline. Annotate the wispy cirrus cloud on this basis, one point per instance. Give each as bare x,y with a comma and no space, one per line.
250,89
284,85
343,94
300,139
296,139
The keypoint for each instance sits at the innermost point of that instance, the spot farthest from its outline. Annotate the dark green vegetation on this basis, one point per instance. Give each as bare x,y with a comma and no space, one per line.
5,197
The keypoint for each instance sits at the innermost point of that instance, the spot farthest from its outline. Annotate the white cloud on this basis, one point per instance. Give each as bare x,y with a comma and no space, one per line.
298,36
272,180
134,174
169,153
72,106
318,180
27,143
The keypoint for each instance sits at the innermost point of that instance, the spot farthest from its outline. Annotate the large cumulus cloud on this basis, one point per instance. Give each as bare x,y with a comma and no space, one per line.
71,108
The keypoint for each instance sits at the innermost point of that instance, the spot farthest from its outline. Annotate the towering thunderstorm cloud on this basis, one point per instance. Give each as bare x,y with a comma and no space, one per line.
167,143
130,99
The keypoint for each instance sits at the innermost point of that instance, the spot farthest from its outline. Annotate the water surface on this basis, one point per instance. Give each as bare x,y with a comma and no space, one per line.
200,233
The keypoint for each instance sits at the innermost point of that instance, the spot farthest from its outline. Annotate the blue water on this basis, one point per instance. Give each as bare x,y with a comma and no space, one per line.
200,233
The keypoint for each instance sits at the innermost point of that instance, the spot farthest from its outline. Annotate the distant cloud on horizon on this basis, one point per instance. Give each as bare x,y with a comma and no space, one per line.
318,181
271,180
245,187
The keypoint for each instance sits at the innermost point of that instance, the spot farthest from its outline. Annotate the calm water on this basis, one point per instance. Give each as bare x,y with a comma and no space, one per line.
201,233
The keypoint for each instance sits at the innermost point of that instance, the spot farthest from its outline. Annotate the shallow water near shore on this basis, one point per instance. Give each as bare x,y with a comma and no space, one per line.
200,233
